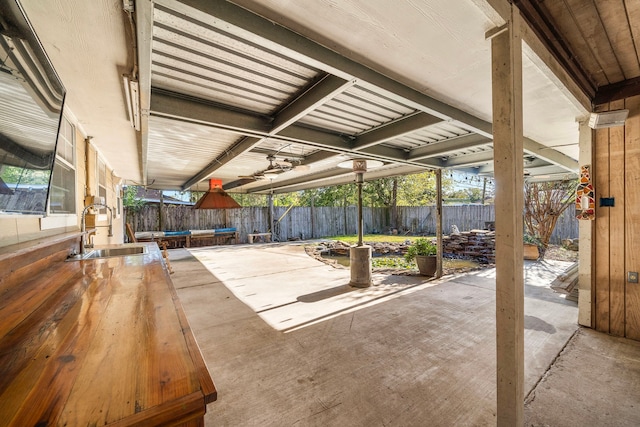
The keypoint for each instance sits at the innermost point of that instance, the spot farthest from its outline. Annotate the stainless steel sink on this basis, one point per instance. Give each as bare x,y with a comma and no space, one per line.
111,252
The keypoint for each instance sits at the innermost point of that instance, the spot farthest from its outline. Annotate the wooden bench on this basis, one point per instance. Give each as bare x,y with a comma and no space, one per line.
265,236
77,347
212,238
187,239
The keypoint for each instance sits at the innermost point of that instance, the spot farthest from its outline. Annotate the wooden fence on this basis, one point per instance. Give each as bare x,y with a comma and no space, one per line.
307,222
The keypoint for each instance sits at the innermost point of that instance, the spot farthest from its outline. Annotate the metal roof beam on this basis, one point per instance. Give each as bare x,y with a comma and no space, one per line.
396,129
469,159
545,170
559,176
168,105
318,156
338,144
442,148
317,95
237,183
489,168
550,155
315,138
399,155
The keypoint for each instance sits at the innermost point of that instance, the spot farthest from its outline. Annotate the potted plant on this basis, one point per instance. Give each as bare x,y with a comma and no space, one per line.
424,253
531,251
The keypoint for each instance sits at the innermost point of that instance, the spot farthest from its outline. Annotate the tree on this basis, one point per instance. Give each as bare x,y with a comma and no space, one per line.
544,202
474,195
245,199
194,196
286,199
380,191
130,199
457,195
339,195
420,189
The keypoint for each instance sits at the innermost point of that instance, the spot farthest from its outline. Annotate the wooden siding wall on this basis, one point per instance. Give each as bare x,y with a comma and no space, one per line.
327,221
617,228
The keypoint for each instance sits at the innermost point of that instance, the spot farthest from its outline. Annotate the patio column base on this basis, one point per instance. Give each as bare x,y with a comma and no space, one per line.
360,259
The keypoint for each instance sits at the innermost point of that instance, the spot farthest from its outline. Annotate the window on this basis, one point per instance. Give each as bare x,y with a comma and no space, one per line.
118,201
63,180
102,183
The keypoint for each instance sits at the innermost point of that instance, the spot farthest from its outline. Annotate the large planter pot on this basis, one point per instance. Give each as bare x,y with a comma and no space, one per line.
427,264
531,251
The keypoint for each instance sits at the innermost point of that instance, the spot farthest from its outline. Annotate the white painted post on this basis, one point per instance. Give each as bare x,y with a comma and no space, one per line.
585,233
506,58
439,221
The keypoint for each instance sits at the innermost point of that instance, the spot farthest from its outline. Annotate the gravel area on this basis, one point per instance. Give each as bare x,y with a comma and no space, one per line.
558,253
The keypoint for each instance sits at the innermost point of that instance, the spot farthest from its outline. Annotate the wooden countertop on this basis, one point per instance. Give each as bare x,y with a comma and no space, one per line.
99,342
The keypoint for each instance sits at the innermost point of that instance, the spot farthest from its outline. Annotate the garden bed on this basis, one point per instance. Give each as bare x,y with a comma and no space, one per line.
388,256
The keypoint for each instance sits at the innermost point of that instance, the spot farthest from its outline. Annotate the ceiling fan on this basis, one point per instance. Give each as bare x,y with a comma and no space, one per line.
274,168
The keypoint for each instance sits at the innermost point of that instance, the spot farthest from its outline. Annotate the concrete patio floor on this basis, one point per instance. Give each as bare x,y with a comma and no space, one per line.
289,343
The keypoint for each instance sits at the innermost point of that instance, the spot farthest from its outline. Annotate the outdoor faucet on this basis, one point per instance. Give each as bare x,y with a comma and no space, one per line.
83,242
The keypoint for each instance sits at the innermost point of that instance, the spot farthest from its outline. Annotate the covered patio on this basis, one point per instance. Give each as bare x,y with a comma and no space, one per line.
289,347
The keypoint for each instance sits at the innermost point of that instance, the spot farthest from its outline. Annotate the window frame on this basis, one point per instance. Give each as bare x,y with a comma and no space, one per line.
69,143
101,166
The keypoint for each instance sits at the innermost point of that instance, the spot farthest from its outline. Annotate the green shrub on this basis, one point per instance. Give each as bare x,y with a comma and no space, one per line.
421,246
531,240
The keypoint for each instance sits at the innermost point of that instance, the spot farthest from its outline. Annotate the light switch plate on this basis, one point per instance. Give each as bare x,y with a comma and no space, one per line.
632,276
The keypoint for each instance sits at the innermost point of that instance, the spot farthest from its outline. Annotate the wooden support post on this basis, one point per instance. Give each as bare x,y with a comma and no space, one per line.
270,215
439,222
313,215
506,58
585,300
160,213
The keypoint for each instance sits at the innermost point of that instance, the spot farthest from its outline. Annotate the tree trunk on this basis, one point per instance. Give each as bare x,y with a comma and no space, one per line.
543,205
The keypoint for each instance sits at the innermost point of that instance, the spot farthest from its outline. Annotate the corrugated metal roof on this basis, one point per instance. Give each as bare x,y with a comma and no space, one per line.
355,111
284,101
179,150
195,58
437,133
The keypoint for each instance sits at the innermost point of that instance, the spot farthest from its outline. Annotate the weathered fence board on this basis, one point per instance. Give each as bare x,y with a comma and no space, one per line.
316,222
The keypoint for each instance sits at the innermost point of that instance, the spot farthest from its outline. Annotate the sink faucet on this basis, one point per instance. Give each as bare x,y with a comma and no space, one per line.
83,242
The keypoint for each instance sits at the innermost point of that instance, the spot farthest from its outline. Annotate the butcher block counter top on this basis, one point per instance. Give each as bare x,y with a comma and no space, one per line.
98,342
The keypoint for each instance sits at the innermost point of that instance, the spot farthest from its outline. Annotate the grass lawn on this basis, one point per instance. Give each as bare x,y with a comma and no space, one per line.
353,239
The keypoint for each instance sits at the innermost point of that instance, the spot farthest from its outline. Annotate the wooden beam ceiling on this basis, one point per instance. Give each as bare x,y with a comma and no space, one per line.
595,42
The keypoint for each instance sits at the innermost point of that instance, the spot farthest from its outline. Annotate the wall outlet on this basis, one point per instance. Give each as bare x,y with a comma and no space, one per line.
632,276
